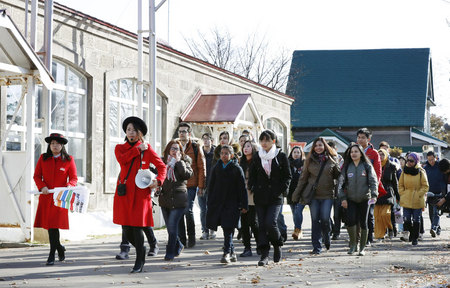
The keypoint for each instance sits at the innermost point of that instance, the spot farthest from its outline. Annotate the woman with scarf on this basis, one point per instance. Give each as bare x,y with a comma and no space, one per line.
269,178
133,210
412,187
55,168
296,159
318,190
173,199
385,201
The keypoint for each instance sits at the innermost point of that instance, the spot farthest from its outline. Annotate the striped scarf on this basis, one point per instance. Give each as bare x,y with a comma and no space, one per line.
171,169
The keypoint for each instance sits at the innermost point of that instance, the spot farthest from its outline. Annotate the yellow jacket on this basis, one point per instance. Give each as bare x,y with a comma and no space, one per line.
412,189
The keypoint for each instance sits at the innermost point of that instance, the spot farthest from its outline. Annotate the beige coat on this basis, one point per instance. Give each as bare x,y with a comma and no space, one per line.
412,189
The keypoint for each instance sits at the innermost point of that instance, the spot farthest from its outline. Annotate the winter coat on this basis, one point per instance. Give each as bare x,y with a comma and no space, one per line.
135,207
198,179
374,158
174,193
296,170
269,190
412,189
226,196
51,173
325,187
436,179
358,184
390,184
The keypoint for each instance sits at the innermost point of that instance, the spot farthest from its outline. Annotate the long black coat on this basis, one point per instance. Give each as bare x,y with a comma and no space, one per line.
390,184
269,190
226,196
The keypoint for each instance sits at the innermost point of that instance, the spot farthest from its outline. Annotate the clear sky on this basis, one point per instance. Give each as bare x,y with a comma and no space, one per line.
301,24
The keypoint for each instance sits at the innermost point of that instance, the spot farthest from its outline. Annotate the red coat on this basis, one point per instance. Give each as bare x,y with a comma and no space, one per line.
135,207
52,173
374,157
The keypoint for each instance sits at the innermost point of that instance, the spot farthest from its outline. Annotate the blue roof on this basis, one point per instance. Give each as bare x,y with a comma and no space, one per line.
359,88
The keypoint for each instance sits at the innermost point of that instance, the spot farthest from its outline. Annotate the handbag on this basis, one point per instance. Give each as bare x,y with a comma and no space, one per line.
306,199
122,187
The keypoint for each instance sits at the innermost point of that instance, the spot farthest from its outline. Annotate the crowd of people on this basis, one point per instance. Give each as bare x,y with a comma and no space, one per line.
242,186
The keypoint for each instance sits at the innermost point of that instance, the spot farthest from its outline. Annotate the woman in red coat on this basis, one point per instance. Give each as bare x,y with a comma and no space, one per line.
55,168
134,209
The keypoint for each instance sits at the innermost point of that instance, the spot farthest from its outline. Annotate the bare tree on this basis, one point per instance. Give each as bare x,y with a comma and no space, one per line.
254,60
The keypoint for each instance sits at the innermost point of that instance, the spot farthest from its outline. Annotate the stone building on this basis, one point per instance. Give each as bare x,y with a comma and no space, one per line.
95,73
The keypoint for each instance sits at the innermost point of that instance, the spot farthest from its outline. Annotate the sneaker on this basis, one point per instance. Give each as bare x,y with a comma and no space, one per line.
420,237
233,257
212,234
277,254
405,236
263,261
414,242
433,233
205,236
315,252
153,251
438,231
246,253
225,258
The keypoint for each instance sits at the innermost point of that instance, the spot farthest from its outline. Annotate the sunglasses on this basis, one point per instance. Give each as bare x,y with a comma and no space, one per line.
411,160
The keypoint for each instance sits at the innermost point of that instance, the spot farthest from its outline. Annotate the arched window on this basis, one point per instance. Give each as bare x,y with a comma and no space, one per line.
278,128
68,111
123,102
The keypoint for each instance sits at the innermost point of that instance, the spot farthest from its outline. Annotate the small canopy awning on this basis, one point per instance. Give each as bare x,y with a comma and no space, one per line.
233,109
330,135
17,59
420,135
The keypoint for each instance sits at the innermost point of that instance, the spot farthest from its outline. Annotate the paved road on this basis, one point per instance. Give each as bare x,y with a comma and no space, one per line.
91,263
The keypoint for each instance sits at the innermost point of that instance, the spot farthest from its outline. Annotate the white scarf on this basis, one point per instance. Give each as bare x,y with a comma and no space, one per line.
171,169
266,158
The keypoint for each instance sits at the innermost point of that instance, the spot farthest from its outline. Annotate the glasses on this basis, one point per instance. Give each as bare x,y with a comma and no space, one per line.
411,160
182,131
174,149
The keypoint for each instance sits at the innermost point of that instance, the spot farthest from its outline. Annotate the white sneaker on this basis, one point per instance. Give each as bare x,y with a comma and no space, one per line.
212,234
420,237
205,236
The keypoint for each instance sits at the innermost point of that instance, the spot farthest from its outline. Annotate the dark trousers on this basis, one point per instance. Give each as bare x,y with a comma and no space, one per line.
172,218
267,225
228,246
249,226
281,224
357,213
370,223
337,217
189,215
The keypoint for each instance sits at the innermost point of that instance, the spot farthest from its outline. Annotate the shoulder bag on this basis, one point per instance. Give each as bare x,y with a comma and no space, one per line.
122,187
306,199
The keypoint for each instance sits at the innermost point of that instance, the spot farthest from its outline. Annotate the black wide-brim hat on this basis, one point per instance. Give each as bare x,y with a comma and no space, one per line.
58,137
138,124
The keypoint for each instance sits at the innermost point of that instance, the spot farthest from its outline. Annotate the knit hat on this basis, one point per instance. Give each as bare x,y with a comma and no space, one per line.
414,156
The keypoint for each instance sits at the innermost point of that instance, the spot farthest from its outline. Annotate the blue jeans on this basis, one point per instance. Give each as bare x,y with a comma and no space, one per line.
202,200
320,217
297,214
228,246
172,218
434,217
268,228
414,213
188,212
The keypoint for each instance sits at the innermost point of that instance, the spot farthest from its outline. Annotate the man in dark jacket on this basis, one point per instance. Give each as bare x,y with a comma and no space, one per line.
437,187
208,150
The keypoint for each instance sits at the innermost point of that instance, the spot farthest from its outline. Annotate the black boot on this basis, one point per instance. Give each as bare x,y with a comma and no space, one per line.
61,252
154,249
51,258
140,260
123,255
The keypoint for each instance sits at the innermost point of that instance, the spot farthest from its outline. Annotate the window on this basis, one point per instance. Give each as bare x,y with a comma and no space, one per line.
68,112
278,128
123,102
